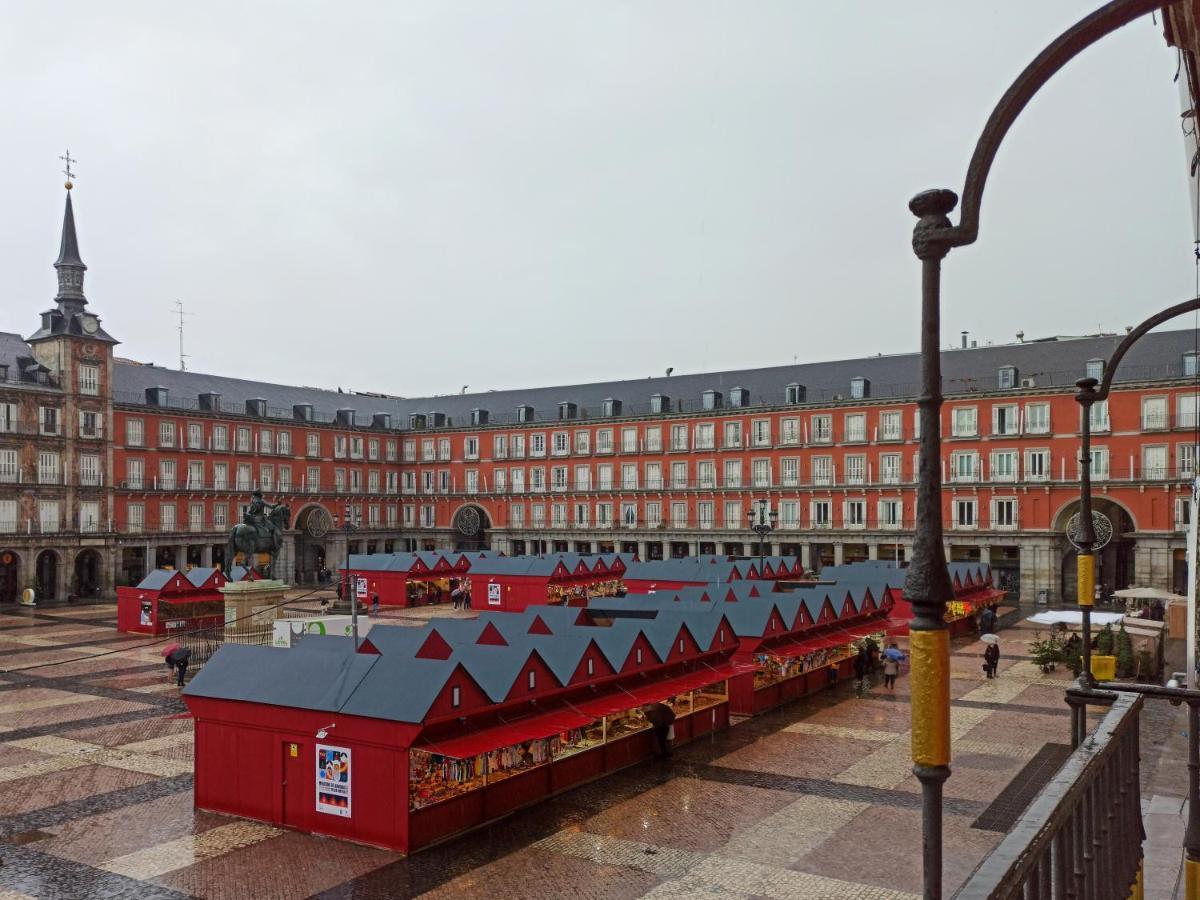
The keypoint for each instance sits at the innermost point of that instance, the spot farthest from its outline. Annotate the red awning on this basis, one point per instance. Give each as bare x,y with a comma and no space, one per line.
863,629
652,692
807,645
532,728
897,626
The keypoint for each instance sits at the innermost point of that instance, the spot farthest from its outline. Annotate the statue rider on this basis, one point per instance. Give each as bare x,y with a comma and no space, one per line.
256,516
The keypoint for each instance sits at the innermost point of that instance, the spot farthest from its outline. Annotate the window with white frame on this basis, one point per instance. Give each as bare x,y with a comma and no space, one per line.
135,517
1099,416
679,517
1154,413
1004,513
583,478
135,472
629,476
427,480
654,479
312,445
1037,465
964,421
916,417
1099,466
822,470
1154,462
733,473
789,431
558,478
373,448
195,436
733,514
1185,410
891,426
789,471
789,514
581,515
220,437
604,477
391,516
821,513
732,434
9,471
537,515
195,476
679,474
760,432
1094,369
855,428
822,429
1185,457
428,449
242,437
312,479
428,516
856,469
891,513
284,445
516,446
245,476
964,465
472,480
679,437
89,379
266,478
8,418
408,515
443,480
91,424
48,516
373,516
443,449
889,468
195,516
517,478
221,476
604,441
499,480
8,516
1037,418
583,442
285,480
560,443
1004,419
704,513
1183,513
1003,465
705,439
266,440
408,482
471,447
629,440
760,473
166,434
89,469
653,513
1191,363
629,515
537,479
500,446
653,439
166,517
965,512
166,474
134,433
604,515
854,514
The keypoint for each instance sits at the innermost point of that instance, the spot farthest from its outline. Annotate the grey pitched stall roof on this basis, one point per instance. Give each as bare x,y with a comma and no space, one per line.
156,579
199,574
1055,362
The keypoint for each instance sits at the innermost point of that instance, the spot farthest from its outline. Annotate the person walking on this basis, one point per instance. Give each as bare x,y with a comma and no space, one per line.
891,666
991,659
987,621
662,720
862,665
375,604
177,660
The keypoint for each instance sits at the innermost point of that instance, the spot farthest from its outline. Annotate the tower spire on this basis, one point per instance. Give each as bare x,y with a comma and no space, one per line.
69,266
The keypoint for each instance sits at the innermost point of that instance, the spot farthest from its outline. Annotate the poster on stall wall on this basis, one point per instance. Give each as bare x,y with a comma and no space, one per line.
493,595
333,780
361,588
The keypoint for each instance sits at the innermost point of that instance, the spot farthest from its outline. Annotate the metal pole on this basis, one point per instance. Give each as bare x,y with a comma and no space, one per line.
1191,837
348,527
1085,569
927,586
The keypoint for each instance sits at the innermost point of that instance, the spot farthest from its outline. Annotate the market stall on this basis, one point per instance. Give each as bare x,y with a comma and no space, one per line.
170,600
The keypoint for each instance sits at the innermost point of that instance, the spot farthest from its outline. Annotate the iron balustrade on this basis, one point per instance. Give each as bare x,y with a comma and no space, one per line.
1081,837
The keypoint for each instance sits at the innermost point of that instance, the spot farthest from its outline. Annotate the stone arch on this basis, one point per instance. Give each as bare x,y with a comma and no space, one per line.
470,526
313,524
88,576
46,574
10,576
1115,568
1122,519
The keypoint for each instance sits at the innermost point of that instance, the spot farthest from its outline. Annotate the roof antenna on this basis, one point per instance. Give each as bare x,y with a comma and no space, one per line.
182,355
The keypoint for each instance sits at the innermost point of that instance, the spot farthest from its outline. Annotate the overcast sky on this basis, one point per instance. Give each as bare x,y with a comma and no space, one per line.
410,197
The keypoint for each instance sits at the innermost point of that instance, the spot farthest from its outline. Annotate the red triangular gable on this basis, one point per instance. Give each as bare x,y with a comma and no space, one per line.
435,647
802,617
690,647
560,571
704,598
753,592
847,607
582,568
491,635
828,614
734,574
601,567
544,679
462,564
442,566
539,626
869,604
600,665
418,567
617,567
176,584
730,596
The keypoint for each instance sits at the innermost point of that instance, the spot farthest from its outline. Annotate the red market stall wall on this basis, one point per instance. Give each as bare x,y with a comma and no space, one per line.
163,610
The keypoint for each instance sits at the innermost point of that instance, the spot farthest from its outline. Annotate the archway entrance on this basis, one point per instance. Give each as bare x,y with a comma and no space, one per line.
471,526
1114,561
87,574
10,586
46,573
312,525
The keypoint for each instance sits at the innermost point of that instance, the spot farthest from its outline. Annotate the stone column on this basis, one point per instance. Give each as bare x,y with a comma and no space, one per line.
838,553
206,556
181,557
773,549
872,551
1040,569
286,568
806,557
641,550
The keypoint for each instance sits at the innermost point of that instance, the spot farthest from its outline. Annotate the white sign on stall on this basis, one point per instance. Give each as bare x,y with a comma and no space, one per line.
493,594
333,780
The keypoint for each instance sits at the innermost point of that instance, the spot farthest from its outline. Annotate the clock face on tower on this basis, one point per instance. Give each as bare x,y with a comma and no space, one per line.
90,324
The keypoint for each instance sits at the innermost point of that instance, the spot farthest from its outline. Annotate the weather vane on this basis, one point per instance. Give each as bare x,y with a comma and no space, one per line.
66,158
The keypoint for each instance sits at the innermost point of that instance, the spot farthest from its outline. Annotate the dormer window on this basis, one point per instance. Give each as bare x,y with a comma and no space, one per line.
524,413
611,407
1191,363
860,388
1006,378
1095,369
567,410
739,397
794,393
659,404
711,399
416,422
479,417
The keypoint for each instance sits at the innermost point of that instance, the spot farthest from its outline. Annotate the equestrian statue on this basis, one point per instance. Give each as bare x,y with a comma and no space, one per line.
260,531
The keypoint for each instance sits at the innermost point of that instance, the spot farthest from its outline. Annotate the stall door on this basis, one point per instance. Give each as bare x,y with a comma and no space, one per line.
296,777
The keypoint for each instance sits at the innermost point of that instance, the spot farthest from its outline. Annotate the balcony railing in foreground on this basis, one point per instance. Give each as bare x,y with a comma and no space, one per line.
1082,835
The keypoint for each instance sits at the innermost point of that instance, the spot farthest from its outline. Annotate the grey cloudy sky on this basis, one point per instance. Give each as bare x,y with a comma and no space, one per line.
410,197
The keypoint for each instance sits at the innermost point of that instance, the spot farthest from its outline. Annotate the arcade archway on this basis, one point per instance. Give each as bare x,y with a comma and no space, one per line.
46,573
1114,561
10,583
313,523
470,526
87,574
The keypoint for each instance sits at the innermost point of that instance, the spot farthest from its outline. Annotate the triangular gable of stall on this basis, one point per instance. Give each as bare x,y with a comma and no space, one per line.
788,608
848,607
617,566
177,584
538,626
563,654
491,635
599,566
703,627
418,567
495,669
204,578
545,678
462,563
768,570
616,642
434,647
581,569
560,571
601,667
443,567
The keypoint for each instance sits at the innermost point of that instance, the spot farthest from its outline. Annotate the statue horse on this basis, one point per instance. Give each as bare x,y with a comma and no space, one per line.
252,539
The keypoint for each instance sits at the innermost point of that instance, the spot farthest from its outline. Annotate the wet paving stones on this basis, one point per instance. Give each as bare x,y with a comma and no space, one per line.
814,799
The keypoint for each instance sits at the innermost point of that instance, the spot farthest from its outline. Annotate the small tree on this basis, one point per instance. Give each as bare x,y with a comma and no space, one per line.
1104,641
1125,659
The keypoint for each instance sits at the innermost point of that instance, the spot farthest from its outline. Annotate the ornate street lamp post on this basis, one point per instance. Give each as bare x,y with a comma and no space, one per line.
762,522
927,586
350,519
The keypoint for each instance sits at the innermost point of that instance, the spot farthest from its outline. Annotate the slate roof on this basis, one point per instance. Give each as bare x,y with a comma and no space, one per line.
1053,362
156,579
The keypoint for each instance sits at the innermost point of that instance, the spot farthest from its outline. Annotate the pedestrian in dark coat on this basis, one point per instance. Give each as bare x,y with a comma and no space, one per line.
662,719
987,621
991,659
177,660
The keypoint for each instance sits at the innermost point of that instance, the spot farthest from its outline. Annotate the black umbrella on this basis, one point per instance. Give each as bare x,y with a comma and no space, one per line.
179,655
659,714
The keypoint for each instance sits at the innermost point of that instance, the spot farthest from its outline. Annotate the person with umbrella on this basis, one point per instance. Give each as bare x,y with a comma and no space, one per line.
891,665
176,658
991,655
987,621
661,718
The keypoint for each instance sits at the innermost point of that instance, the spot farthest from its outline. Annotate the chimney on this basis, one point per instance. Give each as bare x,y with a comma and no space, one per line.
964,340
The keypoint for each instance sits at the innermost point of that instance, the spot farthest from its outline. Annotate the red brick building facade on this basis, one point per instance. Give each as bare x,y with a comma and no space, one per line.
662,467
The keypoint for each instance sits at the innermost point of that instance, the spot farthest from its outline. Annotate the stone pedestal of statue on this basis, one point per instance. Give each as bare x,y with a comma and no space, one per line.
251,607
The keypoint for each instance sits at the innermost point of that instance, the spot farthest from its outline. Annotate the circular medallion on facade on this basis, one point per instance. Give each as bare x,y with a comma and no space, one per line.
89,350
318,523
466,521
1101,525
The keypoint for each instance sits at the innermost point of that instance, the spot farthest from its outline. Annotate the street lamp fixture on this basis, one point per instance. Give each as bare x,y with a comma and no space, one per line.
762,522
350,519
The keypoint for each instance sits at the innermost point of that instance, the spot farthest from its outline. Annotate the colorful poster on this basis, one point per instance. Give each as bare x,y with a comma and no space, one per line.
333,780
493,595
361,588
